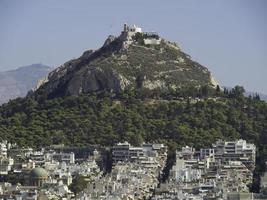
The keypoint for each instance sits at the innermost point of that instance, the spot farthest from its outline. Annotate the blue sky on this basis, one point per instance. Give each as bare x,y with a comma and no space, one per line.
229,37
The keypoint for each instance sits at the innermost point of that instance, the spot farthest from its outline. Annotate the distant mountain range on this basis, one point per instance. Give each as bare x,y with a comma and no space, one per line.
16,83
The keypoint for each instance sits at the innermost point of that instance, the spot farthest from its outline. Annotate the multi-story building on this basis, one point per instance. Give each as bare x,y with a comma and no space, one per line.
3,149
38,157
207,153
187,152
124,152
63,157
238,150
227,167
120,152
6,165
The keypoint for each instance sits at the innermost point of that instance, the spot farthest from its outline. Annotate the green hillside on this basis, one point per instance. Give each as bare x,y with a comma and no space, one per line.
138,115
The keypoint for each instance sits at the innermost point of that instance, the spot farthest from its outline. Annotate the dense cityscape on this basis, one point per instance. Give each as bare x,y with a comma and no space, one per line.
223,171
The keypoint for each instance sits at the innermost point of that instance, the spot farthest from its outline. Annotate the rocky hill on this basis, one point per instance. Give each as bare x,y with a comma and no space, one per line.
16,83
186,116
134,59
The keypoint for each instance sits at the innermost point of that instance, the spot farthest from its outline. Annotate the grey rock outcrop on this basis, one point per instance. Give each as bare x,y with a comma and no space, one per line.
110,39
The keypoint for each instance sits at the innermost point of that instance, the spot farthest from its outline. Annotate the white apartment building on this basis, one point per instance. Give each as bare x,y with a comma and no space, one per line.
125,152
238,150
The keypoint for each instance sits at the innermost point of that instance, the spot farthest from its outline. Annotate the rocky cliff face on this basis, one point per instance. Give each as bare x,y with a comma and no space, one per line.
16,83
127,62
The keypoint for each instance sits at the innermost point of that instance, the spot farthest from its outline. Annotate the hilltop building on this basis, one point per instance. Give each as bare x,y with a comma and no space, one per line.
148,38
133,29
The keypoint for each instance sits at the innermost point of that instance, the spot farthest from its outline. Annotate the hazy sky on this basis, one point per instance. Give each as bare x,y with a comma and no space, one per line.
229,37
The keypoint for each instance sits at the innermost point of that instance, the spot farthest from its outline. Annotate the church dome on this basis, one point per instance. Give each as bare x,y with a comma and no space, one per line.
39,172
